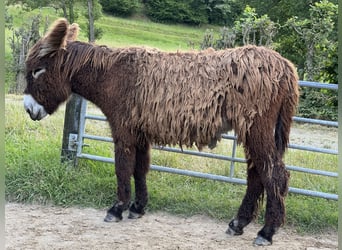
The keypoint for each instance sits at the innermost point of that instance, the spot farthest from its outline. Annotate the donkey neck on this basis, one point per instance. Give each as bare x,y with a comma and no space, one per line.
105,76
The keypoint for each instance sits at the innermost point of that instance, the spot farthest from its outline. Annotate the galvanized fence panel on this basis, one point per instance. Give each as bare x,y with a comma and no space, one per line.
232,158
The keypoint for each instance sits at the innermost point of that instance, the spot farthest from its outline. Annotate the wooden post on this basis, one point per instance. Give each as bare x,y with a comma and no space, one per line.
70,131
73,108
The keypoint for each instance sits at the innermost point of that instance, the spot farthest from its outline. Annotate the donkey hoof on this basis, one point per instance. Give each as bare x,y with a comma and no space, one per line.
133,215
234,229
111,218
135,211
230,231
261,241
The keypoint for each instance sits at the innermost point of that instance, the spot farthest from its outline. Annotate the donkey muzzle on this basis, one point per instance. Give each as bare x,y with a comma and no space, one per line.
33,108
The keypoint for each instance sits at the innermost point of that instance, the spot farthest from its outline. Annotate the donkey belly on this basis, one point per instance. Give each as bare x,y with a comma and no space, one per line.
187,132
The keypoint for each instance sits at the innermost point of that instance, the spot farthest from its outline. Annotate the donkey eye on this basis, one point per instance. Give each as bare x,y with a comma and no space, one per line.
37,72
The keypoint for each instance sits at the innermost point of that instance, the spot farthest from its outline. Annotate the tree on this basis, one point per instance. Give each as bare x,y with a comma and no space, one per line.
317,34
93,13
222,12
67,6
120,7
20,42
248,29
255,30
172,11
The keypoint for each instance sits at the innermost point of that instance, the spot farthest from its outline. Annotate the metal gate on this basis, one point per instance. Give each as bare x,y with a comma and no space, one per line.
76,142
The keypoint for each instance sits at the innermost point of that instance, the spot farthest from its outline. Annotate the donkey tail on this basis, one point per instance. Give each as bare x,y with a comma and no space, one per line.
286,112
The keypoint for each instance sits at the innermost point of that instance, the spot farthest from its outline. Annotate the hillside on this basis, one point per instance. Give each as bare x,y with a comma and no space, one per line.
119,32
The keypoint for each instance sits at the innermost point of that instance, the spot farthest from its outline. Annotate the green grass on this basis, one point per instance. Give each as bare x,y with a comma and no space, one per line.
120,32
34,174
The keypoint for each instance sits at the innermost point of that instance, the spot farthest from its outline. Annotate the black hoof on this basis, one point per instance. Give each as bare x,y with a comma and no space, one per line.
260,241
115,213
234,229
135,211
112,218
133,215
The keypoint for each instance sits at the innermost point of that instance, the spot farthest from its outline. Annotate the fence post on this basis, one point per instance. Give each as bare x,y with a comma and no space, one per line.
70,131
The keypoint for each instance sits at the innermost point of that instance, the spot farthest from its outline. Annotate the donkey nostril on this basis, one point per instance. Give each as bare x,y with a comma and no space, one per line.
28,111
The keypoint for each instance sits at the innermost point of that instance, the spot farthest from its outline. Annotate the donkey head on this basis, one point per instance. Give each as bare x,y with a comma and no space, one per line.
47,84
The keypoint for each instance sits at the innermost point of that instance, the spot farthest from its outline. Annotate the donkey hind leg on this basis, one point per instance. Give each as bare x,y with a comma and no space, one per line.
249,207
276,187
137,208
124,166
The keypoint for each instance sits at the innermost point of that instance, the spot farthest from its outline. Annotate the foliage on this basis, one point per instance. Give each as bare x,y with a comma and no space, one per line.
170,11
93,13
20,42
318,104
255,30
120,7
247,29
319,37
222,12
67,6
317,33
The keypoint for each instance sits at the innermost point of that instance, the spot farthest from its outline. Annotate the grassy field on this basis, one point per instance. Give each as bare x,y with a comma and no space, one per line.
34,173
120,32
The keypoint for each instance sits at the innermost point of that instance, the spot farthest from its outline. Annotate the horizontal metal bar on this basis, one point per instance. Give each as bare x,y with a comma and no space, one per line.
294,146
98,138
313,193
229,137
96,158
96,117
198,174
315,121
313,149
312,171
202,154
212,177
318,85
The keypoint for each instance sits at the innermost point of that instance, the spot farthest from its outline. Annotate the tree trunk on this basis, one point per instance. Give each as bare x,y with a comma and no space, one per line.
91,21
71,11
310,62
20,77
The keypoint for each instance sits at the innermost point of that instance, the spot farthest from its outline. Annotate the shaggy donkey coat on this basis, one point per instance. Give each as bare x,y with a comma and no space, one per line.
153,97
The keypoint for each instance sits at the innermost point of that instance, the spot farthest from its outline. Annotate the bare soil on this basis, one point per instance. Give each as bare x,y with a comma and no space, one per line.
47,227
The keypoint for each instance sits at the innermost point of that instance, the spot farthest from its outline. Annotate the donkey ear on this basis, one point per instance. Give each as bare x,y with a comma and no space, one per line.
73,32
55,39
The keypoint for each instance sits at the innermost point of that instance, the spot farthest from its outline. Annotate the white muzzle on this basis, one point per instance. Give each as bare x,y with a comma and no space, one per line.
35,110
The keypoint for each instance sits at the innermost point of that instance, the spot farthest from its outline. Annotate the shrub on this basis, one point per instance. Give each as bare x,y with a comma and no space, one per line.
318,104
120,7
170,11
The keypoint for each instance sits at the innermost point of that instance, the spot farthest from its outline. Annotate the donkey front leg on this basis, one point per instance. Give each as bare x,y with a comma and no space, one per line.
124,167
137,209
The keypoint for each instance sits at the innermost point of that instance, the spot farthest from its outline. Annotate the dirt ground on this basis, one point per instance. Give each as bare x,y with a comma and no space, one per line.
45,227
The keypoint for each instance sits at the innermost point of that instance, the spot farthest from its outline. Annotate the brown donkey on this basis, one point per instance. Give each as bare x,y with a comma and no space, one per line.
153,97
